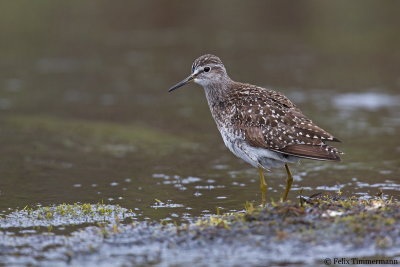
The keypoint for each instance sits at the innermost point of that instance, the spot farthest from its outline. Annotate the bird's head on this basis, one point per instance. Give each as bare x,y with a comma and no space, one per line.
206,70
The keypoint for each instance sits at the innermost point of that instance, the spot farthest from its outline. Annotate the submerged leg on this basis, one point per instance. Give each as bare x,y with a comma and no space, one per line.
263,186
289,182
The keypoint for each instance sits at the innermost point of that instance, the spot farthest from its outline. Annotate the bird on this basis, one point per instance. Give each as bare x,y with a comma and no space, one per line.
259,125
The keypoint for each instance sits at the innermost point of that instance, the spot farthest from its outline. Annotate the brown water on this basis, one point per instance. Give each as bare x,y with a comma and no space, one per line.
85,115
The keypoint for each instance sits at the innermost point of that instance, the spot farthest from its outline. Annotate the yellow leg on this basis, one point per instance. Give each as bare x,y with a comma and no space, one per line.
289,182
263,187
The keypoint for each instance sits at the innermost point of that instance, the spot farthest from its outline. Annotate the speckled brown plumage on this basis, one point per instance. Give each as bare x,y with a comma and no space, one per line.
250,118
267,119
260,126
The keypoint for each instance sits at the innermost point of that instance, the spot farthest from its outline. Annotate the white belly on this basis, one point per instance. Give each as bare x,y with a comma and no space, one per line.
257,157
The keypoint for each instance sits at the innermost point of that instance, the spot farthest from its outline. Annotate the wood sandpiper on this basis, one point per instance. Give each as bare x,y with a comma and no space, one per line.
261,126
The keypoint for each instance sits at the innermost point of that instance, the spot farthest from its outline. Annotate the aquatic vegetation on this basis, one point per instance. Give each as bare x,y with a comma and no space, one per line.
304,232
64,215
319,220
113,138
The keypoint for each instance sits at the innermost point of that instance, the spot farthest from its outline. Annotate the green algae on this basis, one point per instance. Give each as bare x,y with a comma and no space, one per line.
332,217
64,215
114,138
303,233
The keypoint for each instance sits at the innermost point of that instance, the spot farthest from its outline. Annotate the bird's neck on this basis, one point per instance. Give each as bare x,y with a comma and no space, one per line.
217,91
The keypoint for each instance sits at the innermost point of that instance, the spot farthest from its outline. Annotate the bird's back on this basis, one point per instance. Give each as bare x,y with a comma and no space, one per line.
267,119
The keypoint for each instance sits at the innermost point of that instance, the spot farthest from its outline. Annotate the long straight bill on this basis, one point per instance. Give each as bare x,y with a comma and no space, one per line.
181,83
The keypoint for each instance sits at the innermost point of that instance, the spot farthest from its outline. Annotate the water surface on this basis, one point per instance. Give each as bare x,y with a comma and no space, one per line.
85,115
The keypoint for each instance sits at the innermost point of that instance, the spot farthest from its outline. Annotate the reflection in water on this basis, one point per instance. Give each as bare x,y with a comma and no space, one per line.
370,101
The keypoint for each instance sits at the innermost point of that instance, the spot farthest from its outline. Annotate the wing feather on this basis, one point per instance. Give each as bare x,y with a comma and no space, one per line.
270,120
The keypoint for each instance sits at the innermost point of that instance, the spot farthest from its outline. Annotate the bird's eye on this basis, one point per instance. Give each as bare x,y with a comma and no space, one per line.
206,69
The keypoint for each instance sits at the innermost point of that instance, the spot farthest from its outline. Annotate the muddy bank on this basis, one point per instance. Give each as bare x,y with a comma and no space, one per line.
281,233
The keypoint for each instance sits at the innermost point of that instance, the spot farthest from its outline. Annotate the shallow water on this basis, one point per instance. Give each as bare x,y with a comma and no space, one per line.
85,115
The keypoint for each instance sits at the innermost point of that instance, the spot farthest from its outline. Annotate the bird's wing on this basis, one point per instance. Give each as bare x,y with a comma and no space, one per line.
269,120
